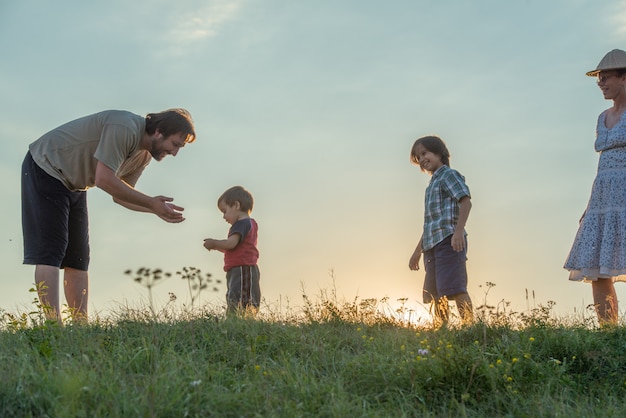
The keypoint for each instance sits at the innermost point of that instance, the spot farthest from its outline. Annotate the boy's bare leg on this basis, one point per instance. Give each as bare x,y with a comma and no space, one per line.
605,301
464,306
47,282
442,310
76,284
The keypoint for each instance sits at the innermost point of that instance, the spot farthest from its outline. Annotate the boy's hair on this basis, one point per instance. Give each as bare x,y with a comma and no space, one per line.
433,144
238,194
170,122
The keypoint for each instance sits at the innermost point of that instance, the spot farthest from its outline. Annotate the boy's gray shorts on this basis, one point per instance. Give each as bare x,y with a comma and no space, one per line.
244,290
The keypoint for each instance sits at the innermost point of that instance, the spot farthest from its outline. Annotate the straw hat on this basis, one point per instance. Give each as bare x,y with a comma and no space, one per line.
614,60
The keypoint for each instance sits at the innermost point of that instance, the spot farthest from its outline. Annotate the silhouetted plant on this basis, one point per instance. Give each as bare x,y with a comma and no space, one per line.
197,282
149,278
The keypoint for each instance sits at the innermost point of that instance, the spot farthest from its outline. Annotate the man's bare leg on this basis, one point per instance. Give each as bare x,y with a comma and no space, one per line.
76,285
47,282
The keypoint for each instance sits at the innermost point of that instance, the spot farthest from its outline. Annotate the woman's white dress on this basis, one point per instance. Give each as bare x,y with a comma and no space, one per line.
599,249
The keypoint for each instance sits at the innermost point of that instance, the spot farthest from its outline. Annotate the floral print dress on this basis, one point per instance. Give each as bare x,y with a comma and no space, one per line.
599,249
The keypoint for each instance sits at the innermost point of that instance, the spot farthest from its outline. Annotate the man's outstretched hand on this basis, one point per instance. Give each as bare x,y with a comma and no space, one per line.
167,211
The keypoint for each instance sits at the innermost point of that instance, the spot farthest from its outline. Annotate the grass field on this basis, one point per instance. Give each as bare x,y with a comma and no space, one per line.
331,359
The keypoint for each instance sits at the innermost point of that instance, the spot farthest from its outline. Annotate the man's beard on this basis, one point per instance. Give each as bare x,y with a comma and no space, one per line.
156,151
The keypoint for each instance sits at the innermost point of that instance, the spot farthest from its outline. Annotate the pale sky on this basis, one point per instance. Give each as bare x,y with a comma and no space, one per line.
313,106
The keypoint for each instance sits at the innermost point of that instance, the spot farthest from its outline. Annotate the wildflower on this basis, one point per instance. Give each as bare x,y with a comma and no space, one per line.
195,383
527,355
358,329
402,347
499,361
422,352
514,360
531,339
257,367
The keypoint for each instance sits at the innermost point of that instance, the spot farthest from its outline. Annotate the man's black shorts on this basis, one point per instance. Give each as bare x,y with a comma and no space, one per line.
54,220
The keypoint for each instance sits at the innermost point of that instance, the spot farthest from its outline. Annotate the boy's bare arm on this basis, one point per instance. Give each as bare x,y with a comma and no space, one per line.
222,244
415,258
458,238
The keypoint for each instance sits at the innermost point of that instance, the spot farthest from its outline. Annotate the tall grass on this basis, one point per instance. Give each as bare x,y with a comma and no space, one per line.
330,358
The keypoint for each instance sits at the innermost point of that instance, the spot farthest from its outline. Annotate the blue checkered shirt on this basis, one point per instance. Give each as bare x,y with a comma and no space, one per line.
441,206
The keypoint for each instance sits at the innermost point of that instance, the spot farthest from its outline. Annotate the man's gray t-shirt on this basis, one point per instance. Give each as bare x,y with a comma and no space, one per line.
71,152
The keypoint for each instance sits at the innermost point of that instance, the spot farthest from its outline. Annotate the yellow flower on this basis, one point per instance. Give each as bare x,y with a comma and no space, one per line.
257,367
402,347
531,339
499,361
514,360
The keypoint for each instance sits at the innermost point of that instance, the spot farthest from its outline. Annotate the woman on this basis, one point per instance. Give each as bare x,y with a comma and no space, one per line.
598,254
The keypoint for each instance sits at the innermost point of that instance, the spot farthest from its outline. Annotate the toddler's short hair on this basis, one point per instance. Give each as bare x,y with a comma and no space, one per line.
238,194
433,144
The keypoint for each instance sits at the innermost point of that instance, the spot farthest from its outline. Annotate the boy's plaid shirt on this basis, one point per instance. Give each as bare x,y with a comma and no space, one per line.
441,206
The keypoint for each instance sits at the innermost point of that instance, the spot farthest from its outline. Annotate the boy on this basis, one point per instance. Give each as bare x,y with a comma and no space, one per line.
240,250
443,242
